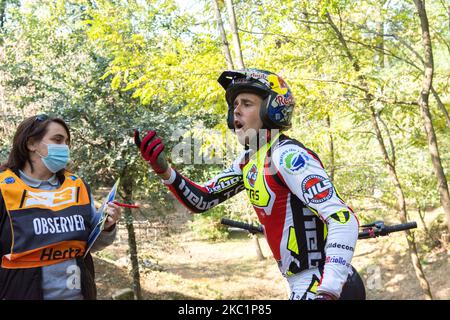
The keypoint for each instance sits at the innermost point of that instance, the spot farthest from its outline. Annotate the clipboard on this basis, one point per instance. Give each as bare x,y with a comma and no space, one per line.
95,233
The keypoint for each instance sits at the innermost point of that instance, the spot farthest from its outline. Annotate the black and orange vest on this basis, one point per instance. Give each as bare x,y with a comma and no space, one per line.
47,226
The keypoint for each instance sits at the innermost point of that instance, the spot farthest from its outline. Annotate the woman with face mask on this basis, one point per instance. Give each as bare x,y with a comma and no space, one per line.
46,216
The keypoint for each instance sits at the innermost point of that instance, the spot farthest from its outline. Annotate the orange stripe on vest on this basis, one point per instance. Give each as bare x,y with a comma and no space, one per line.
44,256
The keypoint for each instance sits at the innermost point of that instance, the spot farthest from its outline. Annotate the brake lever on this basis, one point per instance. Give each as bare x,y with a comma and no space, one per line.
378,224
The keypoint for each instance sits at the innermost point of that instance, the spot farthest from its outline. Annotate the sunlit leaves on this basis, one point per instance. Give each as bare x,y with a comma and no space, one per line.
112,65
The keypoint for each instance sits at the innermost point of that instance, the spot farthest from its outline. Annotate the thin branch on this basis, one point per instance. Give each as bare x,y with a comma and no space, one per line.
311,22
366,91
354,61
386,52
387,204
438,35
225,44
391,143
278,35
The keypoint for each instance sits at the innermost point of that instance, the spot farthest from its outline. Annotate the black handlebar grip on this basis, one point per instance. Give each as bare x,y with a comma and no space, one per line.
242,225
385,230
399,227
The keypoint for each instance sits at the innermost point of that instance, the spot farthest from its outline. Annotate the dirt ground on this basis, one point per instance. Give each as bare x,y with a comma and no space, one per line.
176,265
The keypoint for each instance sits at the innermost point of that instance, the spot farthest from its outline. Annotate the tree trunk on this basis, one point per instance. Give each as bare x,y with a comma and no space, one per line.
259,252
128,217
393,158
2,13
448,13
255,238
425,110
402,209
225,44
422,219
420,274
331,149
234,30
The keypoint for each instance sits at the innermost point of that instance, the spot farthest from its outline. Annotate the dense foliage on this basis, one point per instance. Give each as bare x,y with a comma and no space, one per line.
110,66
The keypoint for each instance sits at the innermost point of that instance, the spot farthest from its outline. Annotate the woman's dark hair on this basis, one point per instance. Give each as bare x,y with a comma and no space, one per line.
31,129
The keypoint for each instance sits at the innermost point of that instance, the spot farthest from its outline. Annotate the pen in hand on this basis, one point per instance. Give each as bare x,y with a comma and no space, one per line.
133,206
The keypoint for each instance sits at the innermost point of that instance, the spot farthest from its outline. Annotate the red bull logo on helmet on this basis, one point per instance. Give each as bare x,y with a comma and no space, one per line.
283,100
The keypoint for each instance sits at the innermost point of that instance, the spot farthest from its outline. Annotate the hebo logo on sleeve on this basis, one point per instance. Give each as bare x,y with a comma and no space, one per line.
317,189
223,184
294,161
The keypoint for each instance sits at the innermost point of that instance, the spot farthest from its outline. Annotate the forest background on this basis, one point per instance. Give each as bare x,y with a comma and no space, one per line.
370,78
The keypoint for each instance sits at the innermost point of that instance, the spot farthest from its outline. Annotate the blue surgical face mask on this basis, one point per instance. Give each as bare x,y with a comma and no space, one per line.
57,158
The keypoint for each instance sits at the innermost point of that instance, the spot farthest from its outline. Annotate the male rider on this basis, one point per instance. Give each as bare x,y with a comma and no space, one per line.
311,231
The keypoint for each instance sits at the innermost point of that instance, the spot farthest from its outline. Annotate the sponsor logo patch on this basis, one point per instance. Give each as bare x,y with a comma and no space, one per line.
317,189
53,254
294,161
340,246
252,175
9,180
51,199
341,216
337,260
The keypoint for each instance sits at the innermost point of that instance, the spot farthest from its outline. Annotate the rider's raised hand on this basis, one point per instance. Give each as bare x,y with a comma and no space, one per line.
152,150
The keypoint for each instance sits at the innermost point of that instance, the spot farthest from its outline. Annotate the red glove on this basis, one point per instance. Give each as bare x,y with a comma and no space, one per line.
152,151
325,296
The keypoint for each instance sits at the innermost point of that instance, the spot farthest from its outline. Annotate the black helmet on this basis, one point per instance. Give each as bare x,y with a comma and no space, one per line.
278,101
